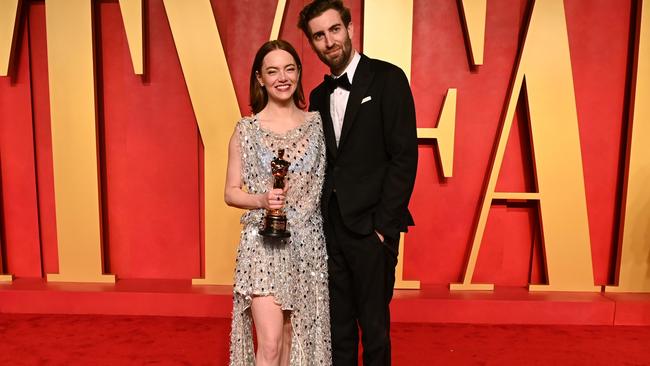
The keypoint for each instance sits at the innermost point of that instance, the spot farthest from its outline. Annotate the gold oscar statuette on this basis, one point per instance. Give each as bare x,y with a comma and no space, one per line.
275,221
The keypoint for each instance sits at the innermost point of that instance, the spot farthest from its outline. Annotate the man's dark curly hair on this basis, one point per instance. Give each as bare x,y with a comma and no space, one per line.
318,7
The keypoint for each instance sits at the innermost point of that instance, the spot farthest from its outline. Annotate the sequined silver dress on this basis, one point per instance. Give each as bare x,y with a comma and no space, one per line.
293,270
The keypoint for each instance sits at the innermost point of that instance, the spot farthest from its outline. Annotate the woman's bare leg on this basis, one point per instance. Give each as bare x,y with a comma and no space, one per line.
285,355
269,325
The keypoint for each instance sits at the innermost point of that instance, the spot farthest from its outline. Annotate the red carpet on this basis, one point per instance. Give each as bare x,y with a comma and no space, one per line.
127,340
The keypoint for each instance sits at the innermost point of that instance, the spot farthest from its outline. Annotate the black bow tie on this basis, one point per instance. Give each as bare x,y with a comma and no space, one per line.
339,82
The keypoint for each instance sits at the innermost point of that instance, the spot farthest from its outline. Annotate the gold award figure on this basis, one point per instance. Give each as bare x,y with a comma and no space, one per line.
275,221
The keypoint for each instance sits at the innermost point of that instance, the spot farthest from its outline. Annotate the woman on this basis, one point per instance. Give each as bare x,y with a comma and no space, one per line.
280,284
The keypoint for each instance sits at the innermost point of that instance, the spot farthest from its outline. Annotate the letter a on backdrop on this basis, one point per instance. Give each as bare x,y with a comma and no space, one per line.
544,75
634,272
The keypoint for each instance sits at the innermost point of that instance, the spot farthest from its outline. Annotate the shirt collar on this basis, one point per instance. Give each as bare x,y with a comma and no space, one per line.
352,66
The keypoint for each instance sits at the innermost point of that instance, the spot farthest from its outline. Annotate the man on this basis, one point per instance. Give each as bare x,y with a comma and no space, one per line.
369,125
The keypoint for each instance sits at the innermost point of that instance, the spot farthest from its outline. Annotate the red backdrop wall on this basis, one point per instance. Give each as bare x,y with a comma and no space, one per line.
151,153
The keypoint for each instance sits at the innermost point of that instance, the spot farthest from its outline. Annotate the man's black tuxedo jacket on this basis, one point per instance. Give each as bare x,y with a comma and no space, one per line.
373,169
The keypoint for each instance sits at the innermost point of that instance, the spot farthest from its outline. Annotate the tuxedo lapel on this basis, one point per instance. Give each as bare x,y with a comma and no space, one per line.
362,78
328,127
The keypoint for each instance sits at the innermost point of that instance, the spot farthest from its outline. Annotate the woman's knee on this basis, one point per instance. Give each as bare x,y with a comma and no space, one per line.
270,348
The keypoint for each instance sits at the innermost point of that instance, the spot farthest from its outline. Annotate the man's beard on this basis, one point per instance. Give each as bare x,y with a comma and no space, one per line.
338,63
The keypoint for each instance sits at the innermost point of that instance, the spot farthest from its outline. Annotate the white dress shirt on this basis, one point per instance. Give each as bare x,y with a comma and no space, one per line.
339,97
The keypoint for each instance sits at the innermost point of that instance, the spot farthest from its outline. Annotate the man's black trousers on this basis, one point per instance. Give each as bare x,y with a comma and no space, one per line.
361,279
